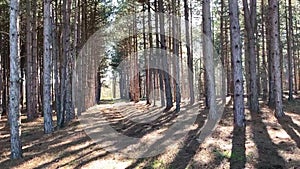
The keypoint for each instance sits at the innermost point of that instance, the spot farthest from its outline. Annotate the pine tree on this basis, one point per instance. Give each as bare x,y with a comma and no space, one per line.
14,89
209,59
239,111
275,54
47,109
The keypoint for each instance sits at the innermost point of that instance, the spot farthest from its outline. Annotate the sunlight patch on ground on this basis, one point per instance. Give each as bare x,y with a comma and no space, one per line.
108,164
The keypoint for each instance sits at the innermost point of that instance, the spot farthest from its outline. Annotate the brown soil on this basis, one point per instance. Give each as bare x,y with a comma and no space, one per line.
266,143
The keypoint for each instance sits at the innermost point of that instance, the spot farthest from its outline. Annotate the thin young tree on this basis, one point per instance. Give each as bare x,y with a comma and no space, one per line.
235,37
14,89
35,75
290,35
150,85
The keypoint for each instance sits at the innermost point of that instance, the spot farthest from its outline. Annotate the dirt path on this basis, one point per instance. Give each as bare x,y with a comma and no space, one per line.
266,142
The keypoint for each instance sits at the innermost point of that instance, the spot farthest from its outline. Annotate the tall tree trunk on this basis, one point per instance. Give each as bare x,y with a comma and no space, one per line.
290,49
239,117
275,52
250,22
228,63
168,91
47,109
175,36
14,88
222,39
264,64
56,48
70,113
188,50
5,84
1,75
35,75
209,59
147,57
63,67
270,58
136,76
150,85
29,96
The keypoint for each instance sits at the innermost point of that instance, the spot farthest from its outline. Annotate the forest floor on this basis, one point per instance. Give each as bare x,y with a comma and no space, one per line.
266,143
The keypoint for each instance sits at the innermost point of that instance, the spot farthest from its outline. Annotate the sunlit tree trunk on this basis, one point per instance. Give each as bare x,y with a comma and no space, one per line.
209,59
275,52
150,73
222,48
250,22
163,56
147,56
189,54
14,88
239,117
47,109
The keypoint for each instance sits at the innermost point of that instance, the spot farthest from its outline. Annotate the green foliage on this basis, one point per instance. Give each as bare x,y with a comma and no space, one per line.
103,67
116,57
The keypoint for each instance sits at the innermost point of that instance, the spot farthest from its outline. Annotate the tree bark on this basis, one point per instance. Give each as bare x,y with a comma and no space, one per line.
189,54
239,116
175,36
270,59
250,22
70,113
289,28
29,96
47,109
159,59
275,52
14,89
163,56
35,75
264,64
209,59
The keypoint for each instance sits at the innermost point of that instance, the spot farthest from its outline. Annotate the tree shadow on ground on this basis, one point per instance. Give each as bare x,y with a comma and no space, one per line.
289,126
268,156
190,144
134,129
185,154
292,106
238,151
63,143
